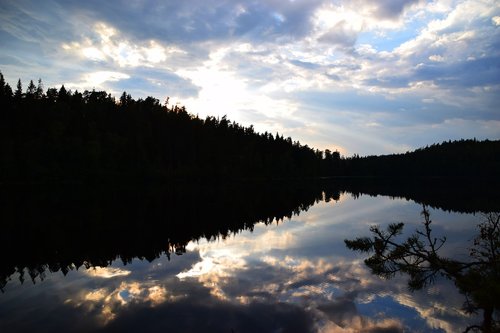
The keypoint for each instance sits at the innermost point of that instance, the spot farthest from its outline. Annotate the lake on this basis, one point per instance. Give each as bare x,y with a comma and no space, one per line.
211,259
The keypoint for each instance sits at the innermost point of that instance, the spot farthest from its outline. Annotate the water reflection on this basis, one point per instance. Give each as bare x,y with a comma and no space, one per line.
419,257
67,228
294,276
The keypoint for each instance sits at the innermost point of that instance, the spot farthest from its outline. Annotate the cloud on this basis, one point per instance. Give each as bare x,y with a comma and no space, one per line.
342,316
293,276
97,78
340,35
195,21
195,315
390,9
107,272
464,74
106,44
332,292
394,63
108,303
436,57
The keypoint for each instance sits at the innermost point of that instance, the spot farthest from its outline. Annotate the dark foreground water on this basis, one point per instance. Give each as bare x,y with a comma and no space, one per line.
286,275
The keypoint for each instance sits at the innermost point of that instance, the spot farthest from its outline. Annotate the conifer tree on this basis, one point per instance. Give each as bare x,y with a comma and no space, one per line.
39,89
2,83
19,90
4,87
7,91
31,90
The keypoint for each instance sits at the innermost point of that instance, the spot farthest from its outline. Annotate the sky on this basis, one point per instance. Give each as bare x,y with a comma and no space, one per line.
361,76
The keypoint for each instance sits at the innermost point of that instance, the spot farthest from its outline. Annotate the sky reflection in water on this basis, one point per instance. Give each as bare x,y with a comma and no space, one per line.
295,276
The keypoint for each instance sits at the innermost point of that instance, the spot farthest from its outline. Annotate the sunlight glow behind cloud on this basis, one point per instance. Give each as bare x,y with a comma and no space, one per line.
394,67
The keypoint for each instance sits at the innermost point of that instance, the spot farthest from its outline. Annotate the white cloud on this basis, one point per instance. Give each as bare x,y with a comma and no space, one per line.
93,53
109,301
224,91
436,58
108,45
96,79
107,272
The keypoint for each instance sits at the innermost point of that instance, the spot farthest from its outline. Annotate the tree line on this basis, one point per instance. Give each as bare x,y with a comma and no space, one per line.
462,158
58,134
61,135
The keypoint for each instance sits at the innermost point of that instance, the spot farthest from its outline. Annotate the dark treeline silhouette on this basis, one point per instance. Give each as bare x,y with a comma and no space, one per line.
60,135
71,136
463,158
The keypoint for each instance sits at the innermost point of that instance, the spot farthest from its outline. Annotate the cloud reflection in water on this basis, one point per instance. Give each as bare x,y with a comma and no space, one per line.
289,277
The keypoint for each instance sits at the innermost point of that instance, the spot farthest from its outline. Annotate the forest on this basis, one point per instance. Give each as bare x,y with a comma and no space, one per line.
72,136
56,135
463,158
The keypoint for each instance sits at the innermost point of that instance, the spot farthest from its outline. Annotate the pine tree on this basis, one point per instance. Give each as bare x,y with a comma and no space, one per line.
19,90
7,91
2,81
52,94
2,86
31,91
62,95
39,90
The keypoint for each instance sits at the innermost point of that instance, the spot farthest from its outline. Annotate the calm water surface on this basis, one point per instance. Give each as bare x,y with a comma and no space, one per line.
294,275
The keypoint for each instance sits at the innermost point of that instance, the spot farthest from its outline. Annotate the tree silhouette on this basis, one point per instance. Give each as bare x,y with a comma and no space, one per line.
5,89
418,257
2,85
66,136
31,90
19,90
71,136
462,158
39,89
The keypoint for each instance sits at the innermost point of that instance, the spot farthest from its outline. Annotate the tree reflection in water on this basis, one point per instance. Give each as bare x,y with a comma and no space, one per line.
48,230
418,256
62,229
